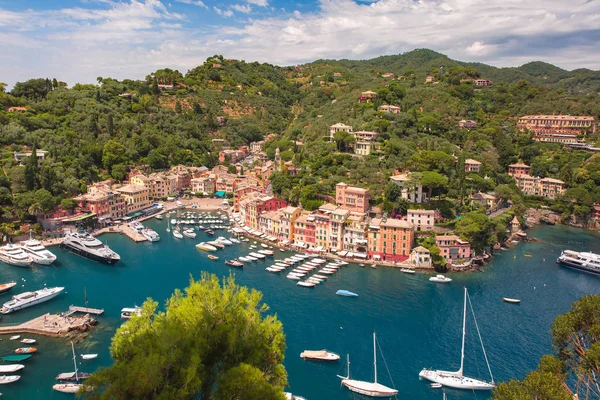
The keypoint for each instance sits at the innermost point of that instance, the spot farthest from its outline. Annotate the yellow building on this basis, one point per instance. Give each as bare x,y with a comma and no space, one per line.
136,197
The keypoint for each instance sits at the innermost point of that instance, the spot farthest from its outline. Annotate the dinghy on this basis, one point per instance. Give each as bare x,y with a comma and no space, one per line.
508,300
89,356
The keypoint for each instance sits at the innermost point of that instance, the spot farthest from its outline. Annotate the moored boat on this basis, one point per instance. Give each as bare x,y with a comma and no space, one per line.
509,300
5,369
14,255
216,244
440,279
28,299
67,387
177,234
211,257
5,287
322,355
128,312
206,247
151,235
372,389
267,252
189,233
306,284
234,263
9,379
16,357
15,337
38,252
343,292
89,356
407,270
582,261
85,245
28,341
25,350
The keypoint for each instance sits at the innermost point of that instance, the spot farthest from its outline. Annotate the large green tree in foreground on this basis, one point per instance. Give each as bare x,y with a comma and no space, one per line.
575,371
213,341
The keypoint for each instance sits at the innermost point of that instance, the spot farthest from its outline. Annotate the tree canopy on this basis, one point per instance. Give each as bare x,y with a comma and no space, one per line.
214,340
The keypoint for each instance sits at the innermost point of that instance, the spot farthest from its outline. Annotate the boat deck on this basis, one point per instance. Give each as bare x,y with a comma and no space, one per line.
51,325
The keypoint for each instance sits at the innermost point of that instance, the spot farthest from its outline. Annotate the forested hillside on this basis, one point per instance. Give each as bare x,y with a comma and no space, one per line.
96,131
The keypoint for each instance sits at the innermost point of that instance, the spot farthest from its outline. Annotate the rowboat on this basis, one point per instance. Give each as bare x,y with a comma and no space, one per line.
20,357
25,350
514,301
306,284
322,355
9,379
11,368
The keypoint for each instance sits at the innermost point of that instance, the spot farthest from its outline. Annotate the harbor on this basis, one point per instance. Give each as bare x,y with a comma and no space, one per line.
417,321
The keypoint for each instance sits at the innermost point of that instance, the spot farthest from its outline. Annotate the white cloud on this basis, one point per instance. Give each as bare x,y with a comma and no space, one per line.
199,3
130,38
242,8
260,3
225,13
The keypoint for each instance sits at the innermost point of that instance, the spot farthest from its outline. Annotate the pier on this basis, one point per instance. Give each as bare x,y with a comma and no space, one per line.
86,310
51,325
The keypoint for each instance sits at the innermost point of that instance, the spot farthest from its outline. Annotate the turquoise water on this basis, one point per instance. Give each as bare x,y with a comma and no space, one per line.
417,322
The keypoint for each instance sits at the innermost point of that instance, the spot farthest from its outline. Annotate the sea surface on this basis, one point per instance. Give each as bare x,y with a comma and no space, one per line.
418,323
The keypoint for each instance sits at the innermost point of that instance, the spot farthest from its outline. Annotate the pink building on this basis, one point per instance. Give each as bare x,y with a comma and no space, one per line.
352,198
519,169
453,248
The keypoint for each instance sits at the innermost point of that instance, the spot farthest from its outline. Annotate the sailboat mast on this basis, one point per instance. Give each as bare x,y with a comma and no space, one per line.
74,361
375,356
464,330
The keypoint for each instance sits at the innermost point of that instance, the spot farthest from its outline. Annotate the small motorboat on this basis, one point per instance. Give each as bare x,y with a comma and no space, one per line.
4,369
436,385
189,233
9,379
216,244
5,287
306,284
440,279
234,263
267,252
20,357
128,312
211,257
209,232
158,216
407,270
322,355
28,341
206,247
347,293
67,387
264,246
89,356
15,337
177,234
508,300
361,265
25,350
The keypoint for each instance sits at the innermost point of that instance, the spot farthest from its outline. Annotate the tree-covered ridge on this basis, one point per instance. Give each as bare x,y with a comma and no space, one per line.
96,131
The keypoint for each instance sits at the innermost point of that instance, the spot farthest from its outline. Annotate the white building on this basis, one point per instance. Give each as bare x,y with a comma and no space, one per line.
411,190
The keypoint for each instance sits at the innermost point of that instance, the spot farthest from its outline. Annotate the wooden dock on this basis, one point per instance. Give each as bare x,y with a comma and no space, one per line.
85,310
51,325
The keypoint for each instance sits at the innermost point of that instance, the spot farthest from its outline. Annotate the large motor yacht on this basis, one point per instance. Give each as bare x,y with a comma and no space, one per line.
87,246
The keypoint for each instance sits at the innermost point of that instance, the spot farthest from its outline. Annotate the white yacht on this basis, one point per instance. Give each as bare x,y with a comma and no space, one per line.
440,279
87,246
14,255
224,241
127,313
583,261
151,235
28,299
39,254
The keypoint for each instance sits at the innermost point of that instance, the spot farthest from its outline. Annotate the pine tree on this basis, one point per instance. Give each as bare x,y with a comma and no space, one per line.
32,170
155,88
110,125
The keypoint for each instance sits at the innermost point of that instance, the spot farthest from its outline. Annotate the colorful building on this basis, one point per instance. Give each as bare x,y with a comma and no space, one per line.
557,128
390,239
453,248
136,197
352,198
422,220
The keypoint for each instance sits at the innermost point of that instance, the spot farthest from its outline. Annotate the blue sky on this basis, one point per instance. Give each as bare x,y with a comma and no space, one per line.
78,40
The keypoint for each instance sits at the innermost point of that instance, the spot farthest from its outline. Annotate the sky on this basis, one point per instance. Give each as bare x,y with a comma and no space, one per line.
79,40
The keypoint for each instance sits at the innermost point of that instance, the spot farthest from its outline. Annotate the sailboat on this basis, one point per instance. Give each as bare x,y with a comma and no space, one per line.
456,379
168,226
372,389
71,376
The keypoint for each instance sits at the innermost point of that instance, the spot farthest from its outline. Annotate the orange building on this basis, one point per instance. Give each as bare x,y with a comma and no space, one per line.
390,239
